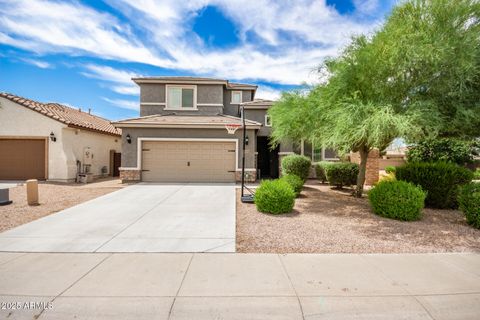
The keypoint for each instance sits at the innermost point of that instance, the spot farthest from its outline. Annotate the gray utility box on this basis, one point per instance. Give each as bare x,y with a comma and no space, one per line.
4,197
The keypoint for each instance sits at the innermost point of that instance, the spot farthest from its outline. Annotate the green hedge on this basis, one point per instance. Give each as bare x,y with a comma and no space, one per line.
398,200
441,180
443,149
274,196
320,170
469,201
297,165
341,174
476,174
295,182
390,169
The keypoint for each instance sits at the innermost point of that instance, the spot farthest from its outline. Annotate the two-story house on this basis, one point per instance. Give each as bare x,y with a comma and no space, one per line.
180,135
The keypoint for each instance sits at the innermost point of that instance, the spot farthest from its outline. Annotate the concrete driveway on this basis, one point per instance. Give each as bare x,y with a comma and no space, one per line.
138,218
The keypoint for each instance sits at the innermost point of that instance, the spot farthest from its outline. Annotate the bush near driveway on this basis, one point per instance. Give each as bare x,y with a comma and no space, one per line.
341,174
441,180
469,201
297,165
295,182
320,170
398,200
274,196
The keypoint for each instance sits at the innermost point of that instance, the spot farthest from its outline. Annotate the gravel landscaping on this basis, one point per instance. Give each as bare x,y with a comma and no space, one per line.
53,198
332,221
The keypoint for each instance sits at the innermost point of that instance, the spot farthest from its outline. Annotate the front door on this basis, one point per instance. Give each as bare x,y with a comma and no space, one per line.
117,160
267,159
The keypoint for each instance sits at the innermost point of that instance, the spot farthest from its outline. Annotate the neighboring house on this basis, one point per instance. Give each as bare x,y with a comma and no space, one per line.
54,142
180,135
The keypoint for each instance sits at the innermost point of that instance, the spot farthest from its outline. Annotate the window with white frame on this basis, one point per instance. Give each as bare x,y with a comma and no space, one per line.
268,121
314,152
181,97
236,97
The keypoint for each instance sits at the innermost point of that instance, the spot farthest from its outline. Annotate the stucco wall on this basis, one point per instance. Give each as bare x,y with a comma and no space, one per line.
129,151
232,109
18,121
259,116
75,141
206,94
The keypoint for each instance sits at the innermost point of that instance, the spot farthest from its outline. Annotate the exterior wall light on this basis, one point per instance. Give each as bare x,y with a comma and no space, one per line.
52,136
246,140
129,139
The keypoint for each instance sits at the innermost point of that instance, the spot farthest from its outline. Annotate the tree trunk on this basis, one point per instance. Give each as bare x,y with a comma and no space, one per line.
362,171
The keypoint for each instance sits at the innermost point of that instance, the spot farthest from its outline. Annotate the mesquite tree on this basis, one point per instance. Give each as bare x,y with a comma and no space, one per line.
418,76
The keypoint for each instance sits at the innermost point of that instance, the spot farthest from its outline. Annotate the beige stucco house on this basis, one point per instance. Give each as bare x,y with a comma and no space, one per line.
50,141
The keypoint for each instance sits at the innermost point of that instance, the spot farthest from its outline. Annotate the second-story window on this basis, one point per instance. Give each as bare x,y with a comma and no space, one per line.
236,97
181,97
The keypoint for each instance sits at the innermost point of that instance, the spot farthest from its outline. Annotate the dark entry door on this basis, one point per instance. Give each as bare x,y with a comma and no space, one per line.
267,158
117,160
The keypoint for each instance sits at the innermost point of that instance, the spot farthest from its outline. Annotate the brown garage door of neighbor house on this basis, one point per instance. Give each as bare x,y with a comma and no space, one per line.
22,159
188,161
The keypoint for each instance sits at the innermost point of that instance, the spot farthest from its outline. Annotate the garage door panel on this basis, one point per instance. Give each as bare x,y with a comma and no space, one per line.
22,159
188,161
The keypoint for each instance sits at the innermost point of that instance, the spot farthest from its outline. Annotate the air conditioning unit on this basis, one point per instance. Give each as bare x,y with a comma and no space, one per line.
87,156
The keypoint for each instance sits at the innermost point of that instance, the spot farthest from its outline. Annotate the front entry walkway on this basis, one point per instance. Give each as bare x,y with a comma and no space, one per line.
239,286
138,218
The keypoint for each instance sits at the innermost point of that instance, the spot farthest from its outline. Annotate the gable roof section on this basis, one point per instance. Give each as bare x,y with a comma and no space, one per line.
194,80
258,104
185,121
69,116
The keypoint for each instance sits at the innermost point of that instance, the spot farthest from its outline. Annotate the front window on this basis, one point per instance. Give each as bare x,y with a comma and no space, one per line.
236,97
268,121
181,97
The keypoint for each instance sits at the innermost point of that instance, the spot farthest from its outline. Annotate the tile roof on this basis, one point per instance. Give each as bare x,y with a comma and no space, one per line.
193,80
69,116
259,103
185,120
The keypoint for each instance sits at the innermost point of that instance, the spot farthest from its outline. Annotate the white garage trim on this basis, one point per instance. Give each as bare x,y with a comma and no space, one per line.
140,147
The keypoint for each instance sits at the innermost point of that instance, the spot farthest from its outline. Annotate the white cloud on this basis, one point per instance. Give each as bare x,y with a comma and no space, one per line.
37,63
124,104
269,93
50,26
121,78
163,37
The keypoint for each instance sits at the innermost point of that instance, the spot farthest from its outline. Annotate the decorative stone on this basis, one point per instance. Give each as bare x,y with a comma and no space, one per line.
127,175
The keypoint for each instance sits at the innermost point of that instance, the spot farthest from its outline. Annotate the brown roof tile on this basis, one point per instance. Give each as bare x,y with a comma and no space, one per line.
186,120
69,116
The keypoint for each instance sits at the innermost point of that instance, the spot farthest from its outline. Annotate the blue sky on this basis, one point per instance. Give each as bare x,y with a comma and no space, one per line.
83,53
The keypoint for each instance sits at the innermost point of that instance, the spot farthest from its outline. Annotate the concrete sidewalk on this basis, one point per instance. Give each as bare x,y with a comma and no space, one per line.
240,286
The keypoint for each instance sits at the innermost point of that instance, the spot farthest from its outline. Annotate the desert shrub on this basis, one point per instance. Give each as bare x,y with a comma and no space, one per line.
469,201
320,170
387,177
297,165
341,174
443,149
294,181
274,196
476,174
397,200
441,180
390,169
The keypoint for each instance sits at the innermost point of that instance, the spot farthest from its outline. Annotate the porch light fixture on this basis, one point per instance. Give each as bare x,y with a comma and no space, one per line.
52,136
129,139
246,140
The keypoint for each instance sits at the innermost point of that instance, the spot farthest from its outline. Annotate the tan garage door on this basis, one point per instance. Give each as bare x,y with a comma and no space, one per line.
188,161
22,159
